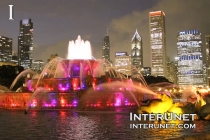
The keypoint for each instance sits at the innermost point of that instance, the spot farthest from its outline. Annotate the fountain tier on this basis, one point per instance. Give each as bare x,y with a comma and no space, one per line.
76,81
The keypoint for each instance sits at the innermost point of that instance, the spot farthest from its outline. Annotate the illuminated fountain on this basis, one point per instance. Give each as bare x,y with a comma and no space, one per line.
81,82
76,82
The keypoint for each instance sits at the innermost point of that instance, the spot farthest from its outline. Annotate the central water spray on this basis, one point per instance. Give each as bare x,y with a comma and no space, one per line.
79,49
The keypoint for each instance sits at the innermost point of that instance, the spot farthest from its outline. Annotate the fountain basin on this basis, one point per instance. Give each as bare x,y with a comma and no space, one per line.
66,100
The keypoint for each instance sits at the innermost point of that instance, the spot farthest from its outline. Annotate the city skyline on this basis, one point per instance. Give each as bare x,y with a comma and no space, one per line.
55,24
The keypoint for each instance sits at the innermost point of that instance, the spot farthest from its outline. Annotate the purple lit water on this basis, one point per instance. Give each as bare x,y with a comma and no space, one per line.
71,125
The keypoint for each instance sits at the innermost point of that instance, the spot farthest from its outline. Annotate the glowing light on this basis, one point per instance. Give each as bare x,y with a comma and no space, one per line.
118,102
13,104
75,103
53,102
63,101
74,49
98,104
127,103
34,103
94,82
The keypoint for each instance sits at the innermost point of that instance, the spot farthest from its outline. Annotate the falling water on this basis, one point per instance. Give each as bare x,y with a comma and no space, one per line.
25,72
37,94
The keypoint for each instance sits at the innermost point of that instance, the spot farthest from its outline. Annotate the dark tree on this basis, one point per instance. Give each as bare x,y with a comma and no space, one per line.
8,74
153,80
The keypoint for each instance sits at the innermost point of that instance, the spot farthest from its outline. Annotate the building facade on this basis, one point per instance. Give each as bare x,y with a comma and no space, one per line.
106,48
190,63
123,63
207,40
146,71
5,49
14,58
171,72
25,44
37,66
157,43
205,77
137,51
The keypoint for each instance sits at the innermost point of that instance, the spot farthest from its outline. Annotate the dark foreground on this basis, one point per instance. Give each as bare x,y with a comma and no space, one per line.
87,125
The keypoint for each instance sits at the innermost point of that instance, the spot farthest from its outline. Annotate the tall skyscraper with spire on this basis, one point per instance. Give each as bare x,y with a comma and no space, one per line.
106,48
137,51
25,44
157,43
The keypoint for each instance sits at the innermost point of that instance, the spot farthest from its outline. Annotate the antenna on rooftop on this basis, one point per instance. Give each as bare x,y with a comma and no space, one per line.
107,31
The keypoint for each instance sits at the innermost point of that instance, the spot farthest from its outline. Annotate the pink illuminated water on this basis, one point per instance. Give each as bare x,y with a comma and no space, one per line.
116,94
113,93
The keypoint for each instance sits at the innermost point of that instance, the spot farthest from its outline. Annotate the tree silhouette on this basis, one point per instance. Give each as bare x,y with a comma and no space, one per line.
8,73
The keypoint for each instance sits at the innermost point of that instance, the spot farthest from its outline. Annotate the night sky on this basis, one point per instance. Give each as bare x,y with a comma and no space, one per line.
56,22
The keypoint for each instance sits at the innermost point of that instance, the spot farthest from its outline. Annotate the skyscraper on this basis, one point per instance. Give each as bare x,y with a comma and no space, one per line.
207,40
157,43
5,49
137,51
171,72
25,44
106,48
146,71
123,63
14,58
190,63
37,66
